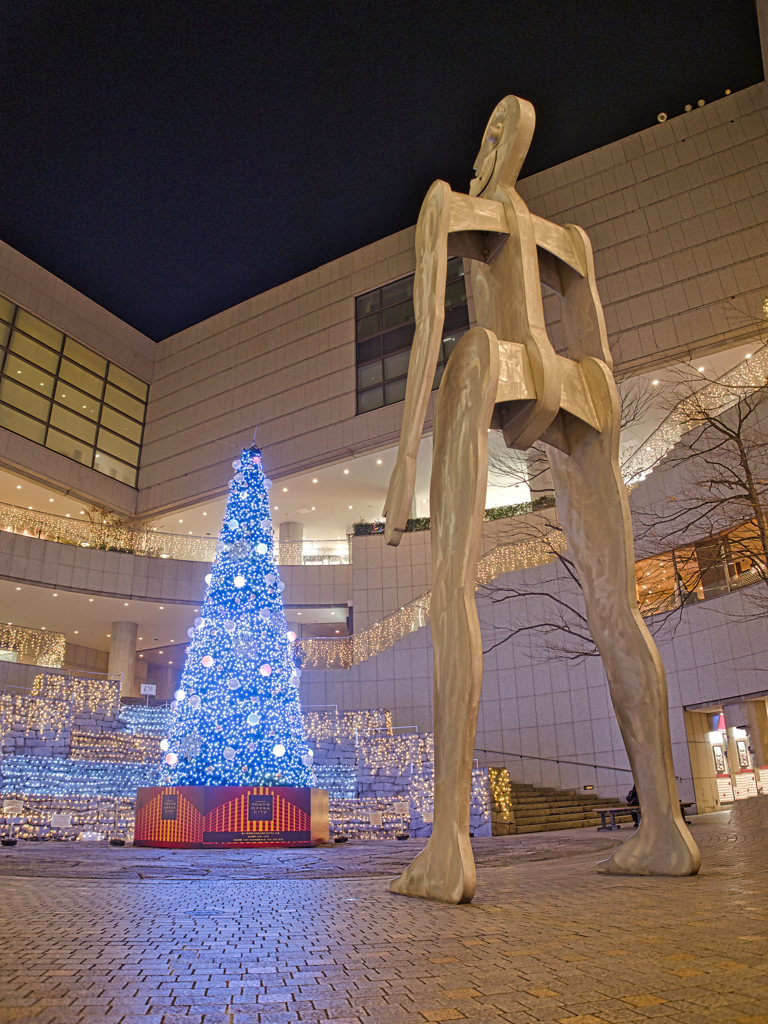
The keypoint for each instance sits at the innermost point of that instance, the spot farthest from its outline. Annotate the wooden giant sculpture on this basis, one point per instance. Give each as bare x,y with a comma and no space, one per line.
505,374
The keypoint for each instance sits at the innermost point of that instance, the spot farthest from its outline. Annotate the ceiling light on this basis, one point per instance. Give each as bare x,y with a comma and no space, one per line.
181,520
55,595
350,506
90,599
313,508
346,470
125,603
18,487
109,634
749,355
18,588
159,652
654,382
77,631
285,489
378,462
50,499
701,369
314,481
162,607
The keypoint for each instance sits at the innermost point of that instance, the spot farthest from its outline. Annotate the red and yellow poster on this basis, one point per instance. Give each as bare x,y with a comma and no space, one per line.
194,817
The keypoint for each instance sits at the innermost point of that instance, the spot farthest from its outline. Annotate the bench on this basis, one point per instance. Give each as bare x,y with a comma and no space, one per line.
605,812
611,812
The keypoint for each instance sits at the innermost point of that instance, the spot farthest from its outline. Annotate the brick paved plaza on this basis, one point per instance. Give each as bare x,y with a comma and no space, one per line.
94,934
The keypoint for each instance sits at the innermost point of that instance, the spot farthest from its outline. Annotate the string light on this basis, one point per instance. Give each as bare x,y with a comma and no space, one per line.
45,647
242,722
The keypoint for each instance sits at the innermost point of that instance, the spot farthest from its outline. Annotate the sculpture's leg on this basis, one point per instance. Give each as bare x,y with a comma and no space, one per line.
594,512
445,869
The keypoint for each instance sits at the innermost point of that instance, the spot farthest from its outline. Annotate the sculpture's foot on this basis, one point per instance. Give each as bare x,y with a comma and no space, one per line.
443,871
662,848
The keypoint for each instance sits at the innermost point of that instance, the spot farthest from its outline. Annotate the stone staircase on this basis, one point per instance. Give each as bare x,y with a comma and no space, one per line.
518,808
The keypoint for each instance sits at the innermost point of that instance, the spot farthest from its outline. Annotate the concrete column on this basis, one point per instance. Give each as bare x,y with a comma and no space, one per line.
291,536
751,716
122,654
762,21
697,728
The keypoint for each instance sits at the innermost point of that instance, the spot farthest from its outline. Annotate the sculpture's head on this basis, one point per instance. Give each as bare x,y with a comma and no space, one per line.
505,145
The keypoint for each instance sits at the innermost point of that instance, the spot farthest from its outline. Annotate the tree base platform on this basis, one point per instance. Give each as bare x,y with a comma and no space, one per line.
223,817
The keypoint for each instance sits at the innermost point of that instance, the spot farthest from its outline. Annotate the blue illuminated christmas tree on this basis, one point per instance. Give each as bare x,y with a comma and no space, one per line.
236,717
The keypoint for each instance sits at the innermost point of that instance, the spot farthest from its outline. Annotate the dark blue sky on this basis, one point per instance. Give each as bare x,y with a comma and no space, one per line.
171,158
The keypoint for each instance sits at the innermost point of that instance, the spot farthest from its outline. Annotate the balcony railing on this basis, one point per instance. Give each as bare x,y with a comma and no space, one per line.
111,536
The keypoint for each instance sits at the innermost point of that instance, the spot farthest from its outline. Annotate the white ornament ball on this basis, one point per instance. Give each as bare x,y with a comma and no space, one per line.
171,758
194,702
208,578
239,477
267,482
236,464
278,750
180,695
291,635
199,622
164,744
270,578
307,760
265,524
233,682
191,631
229,625
174,704
262,548
266,670
297,673
229,753
233,524
264,613
207,661
239,582
281,587
253,718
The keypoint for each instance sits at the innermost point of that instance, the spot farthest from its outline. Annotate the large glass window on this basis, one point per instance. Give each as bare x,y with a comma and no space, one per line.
384,321
57,392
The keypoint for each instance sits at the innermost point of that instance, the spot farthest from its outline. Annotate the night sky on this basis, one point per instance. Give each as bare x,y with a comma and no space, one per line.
169,159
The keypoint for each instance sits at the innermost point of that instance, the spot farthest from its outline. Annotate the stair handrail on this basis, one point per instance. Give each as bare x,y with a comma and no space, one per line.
555,760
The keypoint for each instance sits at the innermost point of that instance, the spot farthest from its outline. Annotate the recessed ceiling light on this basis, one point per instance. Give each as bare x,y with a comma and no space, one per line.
284,490
314,481
50,499
162,607
90,599
312,509
205,513
378,462
125,604
109,634
18,588
346,470
701,369
55,595
654,382
350,506
749,355
77,631
181,520
18,487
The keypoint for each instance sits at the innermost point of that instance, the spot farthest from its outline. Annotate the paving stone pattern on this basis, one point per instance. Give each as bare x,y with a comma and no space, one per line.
90,938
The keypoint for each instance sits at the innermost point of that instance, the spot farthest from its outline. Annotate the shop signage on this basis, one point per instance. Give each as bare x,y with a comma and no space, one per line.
148,689
428,817
61,820
12,807
717,752
743,754
724,789
401,807
376,819
746,786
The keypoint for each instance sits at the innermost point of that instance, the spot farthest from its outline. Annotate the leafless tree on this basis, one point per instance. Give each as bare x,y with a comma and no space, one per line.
716,519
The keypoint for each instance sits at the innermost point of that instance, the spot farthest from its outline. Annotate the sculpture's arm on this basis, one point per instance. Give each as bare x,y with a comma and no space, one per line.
429,309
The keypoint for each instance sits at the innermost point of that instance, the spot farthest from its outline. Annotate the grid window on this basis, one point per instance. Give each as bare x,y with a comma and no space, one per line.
60,394
384,321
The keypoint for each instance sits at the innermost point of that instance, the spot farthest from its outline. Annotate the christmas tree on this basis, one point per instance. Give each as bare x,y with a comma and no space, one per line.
236,715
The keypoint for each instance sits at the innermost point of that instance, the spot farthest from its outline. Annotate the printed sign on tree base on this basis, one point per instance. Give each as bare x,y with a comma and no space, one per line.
218,817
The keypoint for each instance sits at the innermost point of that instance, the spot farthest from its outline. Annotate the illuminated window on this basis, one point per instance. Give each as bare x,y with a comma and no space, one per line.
60,394
384,321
